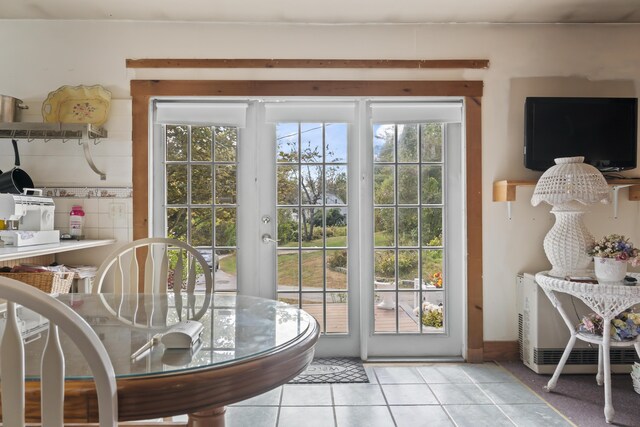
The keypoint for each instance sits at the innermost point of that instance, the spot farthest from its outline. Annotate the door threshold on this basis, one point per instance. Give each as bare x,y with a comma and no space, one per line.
439,359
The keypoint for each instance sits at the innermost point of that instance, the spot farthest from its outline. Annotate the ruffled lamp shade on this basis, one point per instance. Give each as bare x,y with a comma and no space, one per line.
569,186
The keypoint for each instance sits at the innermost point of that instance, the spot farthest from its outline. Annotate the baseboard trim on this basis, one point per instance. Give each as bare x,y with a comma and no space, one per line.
501,351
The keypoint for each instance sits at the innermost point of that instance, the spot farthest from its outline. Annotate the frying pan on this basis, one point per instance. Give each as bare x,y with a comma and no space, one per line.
15,180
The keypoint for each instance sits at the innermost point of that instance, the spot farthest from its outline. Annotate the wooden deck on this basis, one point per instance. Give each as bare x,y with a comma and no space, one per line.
385,320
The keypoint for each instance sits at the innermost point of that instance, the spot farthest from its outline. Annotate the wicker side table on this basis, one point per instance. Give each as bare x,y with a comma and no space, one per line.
606,300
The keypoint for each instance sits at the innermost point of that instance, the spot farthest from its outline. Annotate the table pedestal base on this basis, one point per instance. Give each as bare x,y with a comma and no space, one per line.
209,418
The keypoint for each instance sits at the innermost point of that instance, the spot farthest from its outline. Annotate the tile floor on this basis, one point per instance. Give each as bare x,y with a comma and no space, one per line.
431,395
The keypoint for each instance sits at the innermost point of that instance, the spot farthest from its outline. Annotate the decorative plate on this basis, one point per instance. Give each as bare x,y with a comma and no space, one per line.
77,104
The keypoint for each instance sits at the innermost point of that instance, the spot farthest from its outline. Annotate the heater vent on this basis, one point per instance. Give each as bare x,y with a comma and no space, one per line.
582,356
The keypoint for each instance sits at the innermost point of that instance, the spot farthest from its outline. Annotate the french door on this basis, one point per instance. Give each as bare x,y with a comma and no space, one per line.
348,208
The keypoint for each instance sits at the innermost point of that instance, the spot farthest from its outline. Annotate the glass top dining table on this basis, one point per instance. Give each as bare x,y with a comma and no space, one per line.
235,328
248,346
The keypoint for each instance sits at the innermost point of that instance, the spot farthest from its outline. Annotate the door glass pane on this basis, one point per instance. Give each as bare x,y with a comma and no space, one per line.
384,178
408,143
337,312
177,223
225,227
312,216
177,140
431,184
201,189
431,142
313,303
311,142
336,227
288,268
226,184
336,270
384,223
311,184
336,142
287,142
226,144
336,185
176,182
288,228
408,228
312,227
201,223
384,140
287,185
312,270
407,184
201,145
201,193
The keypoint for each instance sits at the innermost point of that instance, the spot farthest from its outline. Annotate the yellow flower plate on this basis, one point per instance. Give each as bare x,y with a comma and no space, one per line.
77,104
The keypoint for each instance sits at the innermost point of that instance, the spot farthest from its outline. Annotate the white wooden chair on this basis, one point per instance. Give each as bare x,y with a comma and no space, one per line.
12,364
168,263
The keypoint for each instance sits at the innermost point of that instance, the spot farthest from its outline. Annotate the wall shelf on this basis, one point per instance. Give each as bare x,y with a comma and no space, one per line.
82,132
505,190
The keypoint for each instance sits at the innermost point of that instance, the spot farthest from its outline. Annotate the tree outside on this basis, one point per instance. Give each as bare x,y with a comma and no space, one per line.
201,177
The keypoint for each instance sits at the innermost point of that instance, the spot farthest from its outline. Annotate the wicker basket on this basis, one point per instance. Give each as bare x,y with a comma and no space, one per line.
49,282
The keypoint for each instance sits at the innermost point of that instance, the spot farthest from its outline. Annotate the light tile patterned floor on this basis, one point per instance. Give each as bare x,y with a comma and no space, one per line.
433,395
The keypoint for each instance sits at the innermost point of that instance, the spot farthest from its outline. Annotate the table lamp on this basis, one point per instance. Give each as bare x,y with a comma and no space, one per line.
569,186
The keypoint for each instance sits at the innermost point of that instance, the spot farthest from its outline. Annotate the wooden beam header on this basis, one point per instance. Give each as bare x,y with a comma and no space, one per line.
310,63
305,88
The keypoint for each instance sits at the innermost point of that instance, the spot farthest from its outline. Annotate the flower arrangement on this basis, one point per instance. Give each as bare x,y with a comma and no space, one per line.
625,326
431,314
436,279
616,246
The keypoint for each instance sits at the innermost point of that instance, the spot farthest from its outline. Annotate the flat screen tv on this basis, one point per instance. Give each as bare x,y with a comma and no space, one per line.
603,130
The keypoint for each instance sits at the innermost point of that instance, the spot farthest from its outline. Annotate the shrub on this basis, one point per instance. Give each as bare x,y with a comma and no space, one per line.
338,259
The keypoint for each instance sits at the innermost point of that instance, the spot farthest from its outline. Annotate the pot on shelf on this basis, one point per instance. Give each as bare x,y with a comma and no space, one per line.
9,109
15,180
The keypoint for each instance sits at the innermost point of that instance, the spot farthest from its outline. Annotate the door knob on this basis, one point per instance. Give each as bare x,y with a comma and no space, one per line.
266,238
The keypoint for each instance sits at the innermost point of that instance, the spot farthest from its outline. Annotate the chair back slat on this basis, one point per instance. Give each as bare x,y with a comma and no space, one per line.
52,381
133,273
12,370
12,358
177,283
133,281
149,271
191,284
164,271
118,279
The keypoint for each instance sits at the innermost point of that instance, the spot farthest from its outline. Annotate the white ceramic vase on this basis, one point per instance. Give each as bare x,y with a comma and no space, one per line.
609,270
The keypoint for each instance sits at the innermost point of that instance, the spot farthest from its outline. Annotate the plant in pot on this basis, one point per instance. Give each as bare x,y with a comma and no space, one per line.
611,255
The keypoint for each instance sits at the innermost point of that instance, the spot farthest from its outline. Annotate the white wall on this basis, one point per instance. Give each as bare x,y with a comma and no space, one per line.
525,60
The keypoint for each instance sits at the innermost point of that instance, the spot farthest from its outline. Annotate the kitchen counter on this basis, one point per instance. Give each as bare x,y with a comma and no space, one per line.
11,252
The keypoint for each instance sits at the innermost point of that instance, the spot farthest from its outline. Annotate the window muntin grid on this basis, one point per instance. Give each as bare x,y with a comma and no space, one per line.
312,201
408,195
201,193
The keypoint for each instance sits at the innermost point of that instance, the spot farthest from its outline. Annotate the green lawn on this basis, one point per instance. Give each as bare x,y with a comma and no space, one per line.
228,264
380,239
311,271
288,270
337,241
312,266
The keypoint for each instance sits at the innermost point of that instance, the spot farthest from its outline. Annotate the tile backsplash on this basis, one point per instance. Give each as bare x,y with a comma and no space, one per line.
106,216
